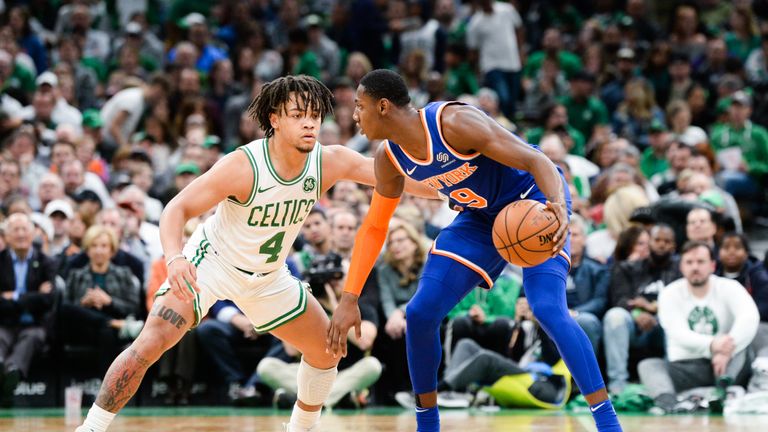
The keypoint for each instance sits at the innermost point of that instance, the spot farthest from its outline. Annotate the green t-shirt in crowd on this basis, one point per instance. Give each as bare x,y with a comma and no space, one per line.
22,78
751,138
740,48
650,164
307,65
499,301
461,80
569,63
584,116
535,135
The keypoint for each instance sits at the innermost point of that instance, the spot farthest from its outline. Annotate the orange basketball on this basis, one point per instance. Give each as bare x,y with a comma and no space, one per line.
523,233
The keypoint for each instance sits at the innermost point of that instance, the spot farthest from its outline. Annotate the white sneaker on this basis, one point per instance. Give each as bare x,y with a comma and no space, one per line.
406,399
131,328
287,428
452,399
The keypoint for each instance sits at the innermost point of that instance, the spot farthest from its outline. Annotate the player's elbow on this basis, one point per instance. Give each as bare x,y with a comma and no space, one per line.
173,211
538,162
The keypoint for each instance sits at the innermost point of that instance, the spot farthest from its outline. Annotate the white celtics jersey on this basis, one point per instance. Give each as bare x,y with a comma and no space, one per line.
257,235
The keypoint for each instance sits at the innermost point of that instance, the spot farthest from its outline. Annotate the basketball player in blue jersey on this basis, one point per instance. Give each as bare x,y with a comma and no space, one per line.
481,167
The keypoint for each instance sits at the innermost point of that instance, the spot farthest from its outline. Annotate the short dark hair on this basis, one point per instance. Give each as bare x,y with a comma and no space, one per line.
695,244
658,226
311,95
318,211
386,84
161,80
298,36
742,238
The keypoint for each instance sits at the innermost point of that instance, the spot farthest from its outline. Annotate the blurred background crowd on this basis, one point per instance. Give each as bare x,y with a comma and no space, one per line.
654,110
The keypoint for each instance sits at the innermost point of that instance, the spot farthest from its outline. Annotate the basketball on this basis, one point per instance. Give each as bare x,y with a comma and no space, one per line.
523,233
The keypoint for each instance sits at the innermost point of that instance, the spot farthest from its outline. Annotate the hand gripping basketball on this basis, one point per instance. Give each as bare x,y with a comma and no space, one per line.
527,232
561,213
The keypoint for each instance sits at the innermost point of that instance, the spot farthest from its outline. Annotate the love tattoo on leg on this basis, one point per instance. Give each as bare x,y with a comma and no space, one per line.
167,314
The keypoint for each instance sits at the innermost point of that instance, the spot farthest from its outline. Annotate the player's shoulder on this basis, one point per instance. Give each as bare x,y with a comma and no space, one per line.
335,153
463,121
240,160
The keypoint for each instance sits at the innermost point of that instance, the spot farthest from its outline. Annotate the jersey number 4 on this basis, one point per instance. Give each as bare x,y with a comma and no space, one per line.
469,198
272,247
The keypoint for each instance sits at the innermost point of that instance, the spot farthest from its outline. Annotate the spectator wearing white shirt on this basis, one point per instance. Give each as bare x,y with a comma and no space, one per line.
63,112
495,32
709,321
76,180
133,199
122,113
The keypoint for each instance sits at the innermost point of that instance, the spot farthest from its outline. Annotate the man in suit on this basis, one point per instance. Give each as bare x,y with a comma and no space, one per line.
26,297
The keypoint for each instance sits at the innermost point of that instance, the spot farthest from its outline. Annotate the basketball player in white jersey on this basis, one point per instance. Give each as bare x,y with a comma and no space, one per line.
263,192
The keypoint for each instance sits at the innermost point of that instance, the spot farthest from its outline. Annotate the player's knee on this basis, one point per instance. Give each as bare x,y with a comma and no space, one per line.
152,342
320,359
420,318
314,384
550,315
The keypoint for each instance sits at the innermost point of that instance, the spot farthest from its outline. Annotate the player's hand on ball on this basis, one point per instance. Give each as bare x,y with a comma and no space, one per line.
346,316
181,274
561,213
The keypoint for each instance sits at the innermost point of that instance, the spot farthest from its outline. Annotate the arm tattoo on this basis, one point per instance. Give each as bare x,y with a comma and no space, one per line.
122,380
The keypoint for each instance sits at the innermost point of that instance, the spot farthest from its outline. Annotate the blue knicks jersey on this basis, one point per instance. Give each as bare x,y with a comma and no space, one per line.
473,182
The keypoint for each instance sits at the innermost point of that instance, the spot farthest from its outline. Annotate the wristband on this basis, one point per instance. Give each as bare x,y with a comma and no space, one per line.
174,258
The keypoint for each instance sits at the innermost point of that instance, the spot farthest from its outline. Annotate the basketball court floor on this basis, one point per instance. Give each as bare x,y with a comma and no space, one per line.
372,420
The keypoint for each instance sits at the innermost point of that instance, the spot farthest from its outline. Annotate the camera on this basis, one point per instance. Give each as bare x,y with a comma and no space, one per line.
323,269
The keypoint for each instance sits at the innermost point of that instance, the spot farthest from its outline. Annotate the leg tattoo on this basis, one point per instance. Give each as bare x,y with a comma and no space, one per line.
122,380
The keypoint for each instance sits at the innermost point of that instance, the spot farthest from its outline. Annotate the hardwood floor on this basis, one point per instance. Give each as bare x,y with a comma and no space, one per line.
241,421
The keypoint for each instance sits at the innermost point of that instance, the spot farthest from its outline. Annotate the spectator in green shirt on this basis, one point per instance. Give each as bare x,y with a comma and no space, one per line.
555,119
654,158
552,46
485,315
304,60
459,77
585,111
743,37
742,178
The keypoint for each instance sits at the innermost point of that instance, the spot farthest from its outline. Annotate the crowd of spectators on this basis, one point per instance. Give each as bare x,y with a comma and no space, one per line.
653,110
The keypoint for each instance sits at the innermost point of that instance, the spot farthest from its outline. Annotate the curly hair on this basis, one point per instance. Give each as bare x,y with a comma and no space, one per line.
311,95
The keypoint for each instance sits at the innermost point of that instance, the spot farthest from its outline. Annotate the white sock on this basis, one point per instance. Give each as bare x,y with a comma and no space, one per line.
303,420
98,420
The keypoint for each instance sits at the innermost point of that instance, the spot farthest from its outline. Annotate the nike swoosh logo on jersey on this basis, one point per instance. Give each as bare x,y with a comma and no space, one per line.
410,171
266,189
525,194
595,408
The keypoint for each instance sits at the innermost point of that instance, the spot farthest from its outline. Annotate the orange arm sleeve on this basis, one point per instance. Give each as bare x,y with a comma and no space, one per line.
369,241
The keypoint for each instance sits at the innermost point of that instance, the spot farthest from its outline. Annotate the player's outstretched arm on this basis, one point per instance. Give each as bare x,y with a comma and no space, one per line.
198,197
368,242
346,164
468,129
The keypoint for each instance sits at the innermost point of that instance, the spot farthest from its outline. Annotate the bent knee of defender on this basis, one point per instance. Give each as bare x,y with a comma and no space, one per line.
420,318
153,341
319,359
